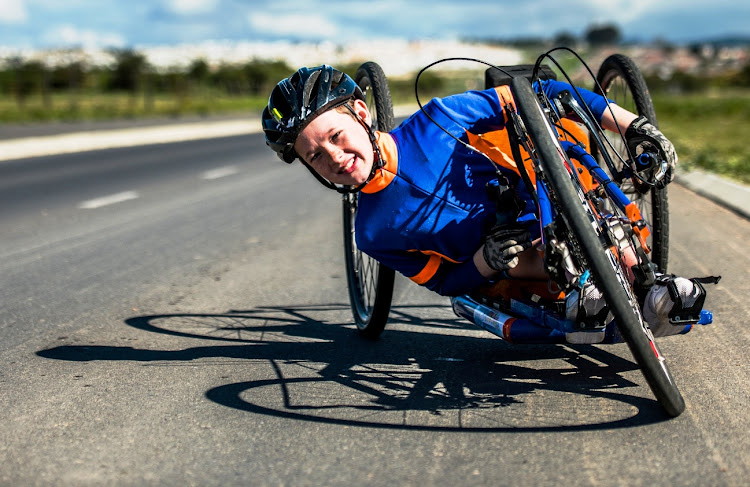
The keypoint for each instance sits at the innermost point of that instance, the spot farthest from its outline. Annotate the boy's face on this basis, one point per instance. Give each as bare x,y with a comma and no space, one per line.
337,146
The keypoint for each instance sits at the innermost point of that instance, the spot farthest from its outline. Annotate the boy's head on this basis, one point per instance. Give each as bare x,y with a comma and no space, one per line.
298,100
320,116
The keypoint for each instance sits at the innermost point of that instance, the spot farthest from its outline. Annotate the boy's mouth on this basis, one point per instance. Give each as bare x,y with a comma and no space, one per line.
349,167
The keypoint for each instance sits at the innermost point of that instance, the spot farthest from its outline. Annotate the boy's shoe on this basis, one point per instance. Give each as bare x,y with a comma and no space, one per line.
670,304
674,302
586,307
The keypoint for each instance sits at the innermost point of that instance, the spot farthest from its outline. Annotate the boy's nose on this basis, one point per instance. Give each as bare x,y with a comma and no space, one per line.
337,155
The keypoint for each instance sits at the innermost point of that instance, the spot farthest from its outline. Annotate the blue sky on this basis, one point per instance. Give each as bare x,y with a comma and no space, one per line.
134,23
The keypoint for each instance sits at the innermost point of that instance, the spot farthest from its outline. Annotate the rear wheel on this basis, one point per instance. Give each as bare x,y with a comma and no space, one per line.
370,283
608,273
620,80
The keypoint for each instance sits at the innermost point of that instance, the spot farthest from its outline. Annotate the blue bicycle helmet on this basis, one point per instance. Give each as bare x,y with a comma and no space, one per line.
297,100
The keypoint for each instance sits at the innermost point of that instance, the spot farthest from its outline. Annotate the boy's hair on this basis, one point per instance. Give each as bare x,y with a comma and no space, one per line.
343,108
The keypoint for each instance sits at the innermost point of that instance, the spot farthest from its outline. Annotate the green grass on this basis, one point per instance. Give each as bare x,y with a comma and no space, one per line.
98,106
710,132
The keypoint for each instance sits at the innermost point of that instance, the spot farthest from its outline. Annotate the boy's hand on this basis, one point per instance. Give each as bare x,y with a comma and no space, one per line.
502,246
642,136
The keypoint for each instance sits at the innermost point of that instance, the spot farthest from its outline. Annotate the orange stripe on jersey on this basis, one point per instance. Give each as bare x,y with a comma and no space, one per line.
431,267
429,270
432,252
385,175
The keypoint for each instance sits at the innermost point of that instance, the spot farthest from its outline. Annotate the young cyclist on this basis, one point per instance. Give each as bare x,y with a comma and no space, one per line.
423,208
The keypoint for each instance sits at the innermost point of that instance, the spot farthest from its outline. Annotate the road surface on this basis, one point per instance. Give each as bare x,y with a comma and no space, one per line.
177,314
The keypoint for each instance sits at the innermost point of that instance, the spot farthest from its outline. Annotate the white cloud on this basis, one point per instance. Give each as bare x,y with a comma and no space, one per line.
186,7
620,10
310,26
13,12
68,35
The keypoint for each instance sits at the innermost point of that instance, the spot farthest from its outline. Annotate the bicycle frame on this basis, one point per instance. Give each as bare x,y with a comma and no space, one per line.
524,322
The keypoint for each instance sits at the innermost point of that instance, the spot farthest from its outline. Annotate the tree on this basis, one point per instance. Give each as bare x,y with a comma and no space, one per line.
199,71
30,77
257,76
262,76
599,35
128,72
231,79
565,39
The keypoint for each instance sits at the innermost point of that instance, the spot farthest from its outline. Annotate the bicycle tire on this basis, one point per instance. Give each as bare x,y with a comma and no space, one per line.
619,79
606,272
370,283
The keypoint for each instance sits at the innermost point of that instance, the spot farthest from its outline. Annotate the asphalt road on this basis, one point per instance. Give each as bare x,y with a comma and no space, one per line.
177,315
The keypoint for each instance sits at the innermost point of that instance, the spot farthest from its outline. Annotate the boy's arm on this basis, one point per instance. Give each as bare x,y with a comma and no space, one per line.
639,132
455,278
596,103
622,118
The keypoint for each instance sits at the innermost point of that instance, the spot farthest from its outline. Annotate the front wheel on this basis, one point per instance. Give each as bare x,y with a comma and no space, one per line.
370,283
608,274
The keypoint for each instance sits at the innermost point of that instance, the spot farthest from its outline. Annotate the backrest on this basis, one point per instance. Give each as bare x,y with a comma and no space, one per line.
494,77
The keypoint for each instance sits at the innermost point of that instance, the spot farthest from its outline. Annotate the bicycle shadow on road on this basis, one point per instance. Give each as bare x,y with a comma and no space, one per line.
424,374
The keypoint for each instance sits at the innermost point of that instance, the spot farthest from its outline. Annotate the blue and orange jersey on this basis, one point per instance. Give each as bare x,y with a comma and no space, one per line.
426,212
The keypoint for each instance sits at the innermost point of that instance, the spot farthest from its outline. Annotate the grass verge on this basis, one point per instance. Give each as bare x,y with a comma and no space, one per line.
710,132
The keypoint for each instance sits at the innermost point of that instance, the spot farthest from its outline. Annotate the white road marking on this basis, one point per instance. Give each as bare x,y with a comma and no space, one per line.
108,200
220,172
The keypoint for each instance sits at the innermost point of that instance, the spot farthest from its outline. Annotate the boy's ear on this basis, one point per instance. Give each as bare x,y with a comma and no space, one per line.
360,108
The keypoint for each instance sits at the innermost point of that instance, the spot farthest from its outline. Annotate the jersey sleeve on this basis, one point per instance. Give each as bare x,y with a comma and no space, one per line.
432,271
474,111
453,279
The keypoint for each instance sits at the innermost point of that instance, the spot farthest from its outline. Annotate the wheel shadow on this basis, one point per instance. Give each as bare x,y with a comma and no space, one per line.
423,374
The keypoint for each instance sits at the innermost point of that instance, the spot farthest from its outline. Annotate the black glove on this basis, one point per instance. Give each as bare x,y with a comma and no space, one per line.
642,136
503,244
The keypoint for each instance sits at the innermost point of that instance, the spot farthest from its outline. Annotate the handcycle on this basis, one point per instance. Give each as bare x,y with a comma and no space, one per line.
589,226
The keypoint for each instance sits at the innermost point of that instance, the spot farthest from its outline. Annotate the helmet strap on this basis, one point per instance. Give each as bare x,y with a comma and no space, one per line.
378,161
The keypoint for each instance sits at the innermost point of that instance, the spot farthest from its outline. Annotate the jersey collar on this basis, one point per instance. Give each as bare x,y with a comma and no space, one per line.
386,174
